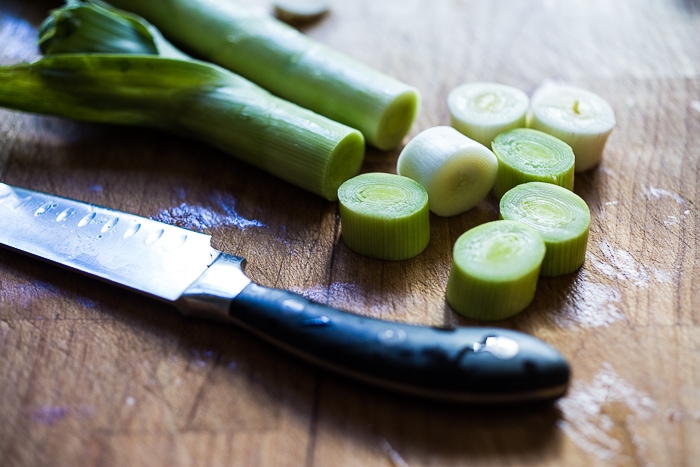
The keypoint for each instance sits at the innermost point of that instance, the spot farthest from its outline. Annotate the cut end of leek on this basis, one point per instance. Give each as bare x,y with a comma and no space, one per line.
344,162
495,269
456,171
578,117
294,11
384,216
560,216
396,120
483,110
527,155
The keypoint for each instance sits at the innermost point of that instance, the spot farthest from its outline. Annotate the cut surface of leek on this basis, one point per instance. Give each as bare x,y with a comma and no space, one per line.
560,216
482,110
582,119
456,171
495,268
288,63
195,99
384,216
527,155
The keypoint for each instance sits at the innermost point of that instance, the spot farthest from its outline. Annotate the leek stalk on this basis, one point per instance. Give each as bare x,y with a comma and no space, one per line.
190,98
287,63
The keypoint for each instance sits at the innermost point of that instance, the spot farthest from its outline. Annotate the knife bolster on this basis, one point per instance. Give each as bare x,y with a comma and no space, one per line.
211,294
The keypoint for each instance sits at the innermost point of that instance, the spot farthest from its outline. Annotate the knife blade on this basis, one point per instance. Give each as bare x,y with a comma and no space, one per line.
180,267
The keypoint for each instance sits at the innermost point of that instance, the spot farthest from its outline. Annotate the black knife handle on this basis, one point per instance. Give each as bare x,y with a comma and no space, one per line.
471,364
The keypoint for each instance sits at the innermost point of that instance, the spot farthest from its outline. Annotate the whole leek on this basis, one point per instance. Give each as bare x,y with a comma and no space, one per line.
192,98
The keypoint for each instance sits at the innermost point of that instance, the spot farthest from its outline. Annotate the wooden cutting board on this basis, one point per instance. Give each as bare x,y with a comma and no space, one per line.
91,375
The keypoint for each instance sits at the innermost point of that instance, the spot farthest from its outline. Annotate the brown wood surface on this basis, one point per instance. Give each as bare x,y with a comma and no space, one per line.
91,375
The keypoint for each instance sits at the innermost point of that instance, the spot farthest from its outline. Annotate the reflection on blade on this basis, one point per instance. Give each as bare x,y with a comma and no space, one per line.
135,252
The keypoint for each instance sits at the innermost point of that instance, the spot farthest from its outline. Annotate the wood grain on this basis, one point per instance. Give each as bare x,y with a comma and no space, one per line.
94,376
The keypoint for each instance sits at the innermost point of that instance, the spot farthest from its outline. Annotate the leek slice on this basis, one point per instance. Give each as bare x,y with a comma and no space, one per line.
288,63
384,216
582,119
527,155
560,216
193,99
456,171
483,110
293,11
495,268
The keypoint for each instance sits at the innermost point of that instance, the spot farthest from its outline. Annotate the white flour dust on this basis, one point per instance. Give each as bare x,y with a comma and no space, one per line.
695,105
222,213
592,305
594,413
620,265
659,193
654,193
321,294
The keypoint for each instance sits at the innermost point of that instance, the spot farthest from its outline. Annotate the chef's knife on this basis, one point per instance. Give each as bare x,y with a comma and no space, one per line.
469,364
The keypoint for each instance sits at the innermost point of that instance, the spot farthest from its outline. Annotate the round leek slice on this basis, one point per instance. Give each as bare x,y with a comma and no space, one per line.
560,216
495,268
579,117
482,110
456,171
527,155
300,10
384,216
